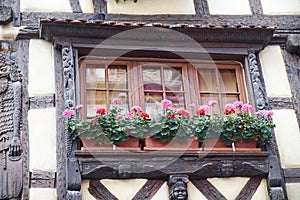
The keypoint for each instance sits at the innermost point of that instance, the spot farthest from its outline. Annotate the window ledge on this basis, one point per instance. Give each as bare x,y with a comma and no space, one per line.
161,164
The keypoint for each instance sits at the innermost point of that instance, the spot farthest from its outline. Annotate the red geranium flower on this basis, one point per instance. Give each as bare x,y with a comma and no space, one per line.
145,115
100,110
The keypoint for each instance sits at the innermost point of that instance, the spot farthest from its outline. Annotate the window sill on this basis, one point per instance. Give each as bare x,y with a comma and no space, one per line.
162,164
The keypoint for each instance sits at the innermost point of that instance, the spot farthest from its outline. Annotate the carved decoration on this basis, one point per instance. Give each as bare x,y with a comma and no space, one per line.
100,6
225,168
73,195
258,87
75,5
201,7
6,14
15,6
178,187
42,102
10,122
293,44
40,179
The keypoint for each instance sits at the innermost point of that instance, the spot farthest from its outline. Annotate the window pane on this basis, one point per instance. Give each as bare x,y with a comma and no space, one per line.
117,76
95,98
207,80
229,99
229,80
152,78
177,99
95,77
205,98
152,101
173,79
115,97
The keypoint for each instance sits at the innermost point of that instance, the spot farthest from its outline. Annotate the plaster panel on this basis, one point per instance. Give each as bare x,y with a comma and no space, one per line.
84,190
124,189
45,6
293,191
8,32
87,6
229,187
288,137
229,7
153,7
42,139
41,68
284,7
194,193
261,192
162,193
274,72
42,193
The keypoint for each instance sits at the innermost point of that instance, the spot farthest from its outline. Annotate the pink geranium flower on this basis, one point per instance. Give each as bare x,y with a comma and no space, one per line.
122,94
136,108
117,101
166,103
68,112
246,107
212,102
229,109
79,107
268,113
238,104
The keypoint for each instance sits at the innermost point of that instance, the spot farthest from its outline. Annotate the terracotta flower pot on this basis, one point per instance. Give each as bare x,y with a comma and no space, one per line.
130,144
89,144
175,144
215,144
246,146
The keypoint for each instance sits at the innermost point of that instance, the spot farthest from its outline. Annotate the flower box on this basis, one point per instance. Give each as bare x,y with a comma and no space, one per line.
89,144
190,144
215,144
132,144
246,146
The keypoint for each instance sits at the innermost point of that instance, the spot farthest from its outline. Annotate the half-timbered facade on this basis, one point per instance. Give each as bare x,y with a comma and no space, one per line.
58,54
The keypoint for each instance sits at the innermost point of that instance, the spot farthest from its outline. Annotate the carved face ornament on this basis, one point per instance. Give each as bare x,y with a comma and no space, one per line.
4,72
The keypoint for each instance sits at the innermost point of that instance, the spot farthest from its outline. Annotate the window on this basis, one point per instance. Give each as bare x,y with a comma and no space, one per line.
146,83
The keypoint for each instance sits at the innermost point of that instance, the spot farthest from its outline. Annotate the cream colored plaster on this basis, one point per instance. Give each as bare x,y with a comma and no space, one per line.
229,7
152,7
194,193
41,68
285,7
124,189
274,72
87,6
229,187
293,191
42,193
45,6
8,32
42,139
261,192
84,190
288,137
162,193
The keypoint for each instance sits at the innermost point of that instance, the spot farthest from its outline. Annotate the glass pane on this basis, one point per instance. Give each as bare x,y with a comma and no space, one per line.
205,98
151,78
95,98
95,77
177,99
117,77
207,80
119,99
228,80
152,106
229,99
173,79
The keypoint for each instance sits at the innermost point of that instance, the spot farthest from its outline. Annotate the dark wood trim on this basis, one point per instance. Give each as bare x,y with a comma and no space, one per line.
277,103
278,21
201,7
99,191
6,14
42,179
42,102
61,152
249,189
292,175
208,190
22,62
148,190
100,6
256,7
75,5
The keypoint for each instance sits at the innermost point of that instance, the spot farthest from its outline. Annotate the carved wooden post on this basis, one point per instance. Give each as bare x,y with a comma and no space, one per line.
73,173
10,121
275,178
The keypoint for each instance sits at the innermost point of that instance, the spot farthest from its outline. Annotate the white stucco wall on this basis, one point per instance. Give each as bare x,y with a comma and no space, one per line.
42,139
288,137
152,7
41,68
45,6
42,194
86,6
229,7
281,7
293,191
8,32
274,72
